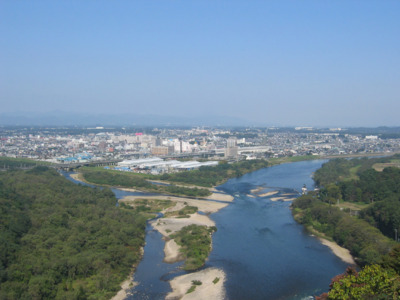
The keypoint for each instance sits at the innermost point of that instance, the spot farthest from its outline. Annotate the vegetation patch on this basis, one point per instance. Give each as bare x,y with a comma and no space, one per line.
131,180
151,205
196,282
182,213
288,159
216,279
195,242
191,289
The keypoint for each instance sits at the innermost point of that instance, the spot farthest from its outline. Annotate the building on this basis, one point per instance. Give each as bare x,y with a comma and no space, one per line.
232,149
160,150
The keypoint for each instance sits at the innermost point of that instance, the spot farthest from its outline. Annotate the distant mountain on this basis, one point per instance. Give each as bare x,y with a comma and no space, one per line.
82,119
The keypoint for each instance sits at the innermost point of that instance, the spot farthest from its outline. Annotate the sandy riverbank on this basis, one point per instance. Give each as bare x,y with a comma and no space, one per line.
340,252
207,290
126,286
203,205
77,177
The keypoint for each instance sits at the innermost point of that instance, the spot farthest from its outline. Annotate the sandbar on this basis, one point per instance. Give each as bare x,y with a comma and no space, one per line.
207,290
268,194
257,190
171,252
282,199
342,253
221,197
203,205
168,226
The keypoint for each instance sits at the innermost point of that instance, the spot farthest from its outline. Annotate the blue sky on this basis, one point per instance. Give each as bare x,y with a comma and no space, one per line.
309,63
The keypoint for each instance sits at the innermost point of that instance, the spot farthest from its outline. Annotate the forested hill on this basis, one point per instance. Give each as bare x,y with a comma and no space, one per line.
358,181
358,206
59,240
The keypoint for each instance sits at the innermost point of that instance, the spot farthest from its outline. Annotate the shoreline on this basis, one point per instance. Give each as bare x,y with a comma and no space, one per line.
211,287
203,205
167,226
342,253
126,286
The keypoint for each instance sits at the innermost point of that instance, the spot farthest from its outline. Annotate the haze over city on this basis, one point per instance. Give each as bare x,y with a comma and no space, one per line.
309,63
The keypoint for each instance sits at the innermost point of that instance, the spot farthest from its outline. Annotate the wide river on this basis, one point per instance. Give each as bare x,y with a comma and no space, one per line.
263,251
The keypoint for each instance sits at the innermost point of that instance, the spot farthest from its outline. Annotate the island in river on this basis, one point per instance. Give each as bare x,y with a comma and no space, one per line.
242,208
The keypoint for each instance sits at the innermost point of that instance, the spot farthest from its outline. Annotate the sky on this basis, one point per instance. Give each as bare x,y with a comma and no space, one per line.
300,63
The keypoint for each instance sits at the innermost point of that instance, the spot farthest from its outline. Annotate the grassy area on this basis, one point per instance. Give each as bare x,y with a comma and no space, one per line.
353,205
380,166
183,213
353,173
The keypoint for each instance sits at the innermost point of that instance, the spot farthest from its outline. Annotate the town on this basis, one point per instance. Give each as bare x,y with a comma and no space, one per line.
160,150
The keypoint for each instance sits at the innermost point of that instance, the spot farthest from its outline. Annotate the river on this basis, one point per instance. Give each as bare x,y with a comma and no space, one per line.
263,251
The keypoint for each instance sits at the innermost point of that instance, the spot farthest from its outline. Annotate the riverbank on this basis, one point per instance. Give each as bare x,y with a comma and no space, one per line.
78,177
210,285
342,253
172,251
126,286
204,205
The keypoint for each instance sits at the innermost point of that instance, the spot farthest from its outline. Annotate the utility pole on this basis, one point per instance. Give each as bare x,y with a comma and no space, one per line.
395,235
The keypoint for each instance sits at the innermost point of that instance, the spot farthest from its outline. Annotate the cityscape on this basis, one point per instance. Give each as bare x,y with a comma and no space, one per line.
58,145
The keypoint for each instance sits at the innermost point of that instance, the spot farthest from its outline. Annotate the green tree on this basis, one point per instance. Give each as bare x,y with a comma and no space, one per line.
372,282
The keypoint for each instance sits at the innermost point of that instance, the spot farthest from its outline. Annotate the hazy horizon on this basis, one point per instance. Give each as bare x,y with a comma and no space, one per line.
286,63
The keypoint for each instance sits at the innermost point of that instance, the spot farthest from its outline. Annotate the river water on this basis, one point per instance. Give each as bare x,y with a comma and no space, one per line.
263,251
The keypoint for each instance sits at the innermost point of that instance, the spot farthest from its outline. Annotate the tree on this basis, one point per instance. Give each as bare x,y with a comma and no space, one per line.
372,282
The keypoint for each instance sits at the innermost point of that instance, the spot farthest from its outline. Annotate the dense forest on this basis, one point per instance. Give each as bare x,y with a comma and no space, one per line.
356,181
358,206
59,240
